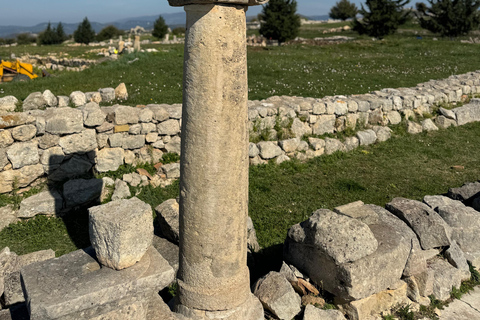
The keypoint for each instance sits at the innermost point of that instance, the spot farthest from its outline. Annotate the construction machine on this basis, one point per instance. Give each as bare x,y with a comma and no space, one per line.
16,71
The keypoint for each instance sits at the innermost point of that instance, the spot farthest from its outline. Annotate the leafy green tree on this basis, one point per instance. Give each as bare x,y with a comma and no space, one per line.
343,10
449,18
280,20
160,29
84,33
179,30
109,32
25,38
47,36
61,35
383,18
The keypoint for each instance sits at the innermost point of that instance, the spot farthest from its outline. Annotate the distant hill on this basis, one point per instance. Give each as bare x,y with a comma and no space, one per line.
173,20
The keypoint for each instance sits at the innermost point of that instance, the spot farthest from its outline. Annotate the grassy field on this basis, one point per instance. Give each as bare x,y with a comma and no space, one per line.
281,195
301,70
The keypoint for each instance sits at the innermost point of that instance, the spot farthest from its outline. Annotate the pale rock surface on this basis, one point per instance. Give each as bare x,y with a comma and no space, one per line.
168,219
466,192
24,133
159,112
172,170
107,94
252,242
277,295
3,159
465,223
284,157
174,145
383,133
313,313
93,116
121,232
34,101
316,143
268,150
121,92
449,114
252,150
109,159
366,137
47,141
46,203
126,115
377,303
23,154
79,143
443,122
133,179
324,124
63,121
78,98
428,125
430,228
13,290
455,256
446,276
413,127
299,128
468,113
63,101
88,281
289,145
8,103
22,177
394,117
7,216
15,119
50,98
169,127
122,190
333,145
145,115
436,201
5,138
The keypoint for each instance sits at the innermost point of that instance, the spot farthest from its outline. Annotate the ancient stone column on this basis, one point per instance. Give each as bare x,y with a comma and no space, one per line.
213,277
136,43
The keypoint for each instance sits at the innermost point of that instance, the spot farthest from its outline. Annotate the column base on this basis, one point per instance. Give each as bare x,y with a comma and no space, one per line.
250,310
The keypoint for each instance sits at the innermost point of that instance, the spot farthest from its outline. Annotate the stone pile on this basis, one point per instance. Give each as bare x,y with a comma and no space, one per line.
119,277
62,143
56,63
373,259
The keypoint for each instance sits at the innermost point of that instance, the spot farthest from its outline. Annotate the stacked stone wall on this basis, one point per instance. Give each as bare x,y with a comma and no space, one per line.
52,140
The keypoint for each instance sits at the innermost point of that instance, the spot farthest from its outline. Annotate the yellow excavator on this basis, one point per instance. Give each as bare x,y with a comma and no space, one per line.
16,71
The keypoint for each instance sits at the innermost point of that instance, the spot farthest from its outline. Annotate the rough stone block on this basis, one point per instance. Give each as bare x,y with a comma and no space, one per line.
430,228
168,219
63,121
46,202
366,137
80,191
121,232
23,154
13,290
79,143
79,288
109,159
277,295
446,276
313,313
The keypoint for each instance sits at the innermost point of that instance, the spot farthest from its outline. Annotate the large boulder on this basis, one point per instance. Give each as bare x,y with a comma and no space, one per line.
93,116
8,103
24,133
278,296
121,232
445,277
20,178
383,248
430,228
15,119
465,193
467,113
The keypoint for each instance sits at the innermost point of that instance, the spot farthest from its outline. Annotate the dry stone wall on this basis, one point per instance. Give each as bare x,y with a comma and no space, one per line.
62,137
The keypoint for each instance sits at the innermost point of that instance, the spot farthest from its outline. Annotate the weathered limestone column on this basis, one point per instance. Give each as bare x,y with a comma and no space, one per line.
213,276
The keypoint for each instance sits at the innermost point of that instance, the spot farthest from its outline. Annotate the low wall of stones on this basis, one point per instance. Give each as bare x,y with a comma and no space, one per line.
51,140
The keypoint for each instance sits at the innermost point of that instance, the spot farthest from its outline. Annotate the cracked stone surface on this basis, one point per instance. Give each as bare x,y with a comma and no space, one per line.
468,307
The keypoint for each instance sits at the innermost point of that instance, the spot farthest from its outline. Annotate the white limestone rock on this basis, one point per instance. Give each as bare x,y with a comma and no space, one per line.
121,232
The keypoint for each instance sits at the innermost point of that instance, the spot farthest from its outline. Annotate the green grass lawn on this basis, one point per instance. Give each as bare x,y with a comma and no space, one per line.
300,70
409,166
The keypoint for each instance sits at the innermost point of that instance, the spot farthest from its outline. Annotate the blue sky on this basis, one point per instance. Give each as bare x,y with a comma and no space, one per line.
31,12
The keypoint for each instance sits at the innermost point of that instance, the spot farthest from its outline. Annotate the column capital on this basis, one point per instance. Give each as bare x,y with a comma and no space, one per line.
180,3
